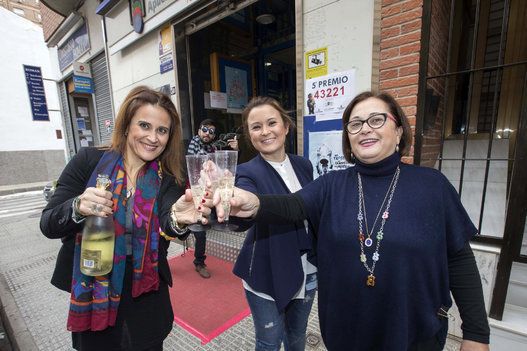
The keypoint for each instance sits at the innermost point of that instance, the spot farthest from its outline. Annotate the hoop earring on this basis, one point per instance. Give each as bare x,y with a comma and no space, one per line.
397,148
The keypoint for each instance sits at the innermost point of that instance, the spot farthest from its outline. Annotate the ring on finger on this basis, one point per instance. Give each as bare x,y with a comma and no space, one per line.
98,208
94,207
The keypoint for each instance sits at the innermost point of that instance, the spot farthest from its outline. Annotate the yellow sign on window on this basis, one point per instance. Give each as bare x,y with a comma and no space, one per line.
316,63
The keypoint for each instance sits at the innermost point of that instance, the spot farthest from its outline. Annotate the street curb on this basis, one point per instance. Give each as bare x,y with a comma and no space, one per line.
15,327
22,189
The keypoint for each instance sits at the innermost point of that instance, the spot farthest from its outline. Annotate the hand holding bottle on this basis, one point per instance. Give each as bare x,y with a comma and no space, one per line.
95,202
98,233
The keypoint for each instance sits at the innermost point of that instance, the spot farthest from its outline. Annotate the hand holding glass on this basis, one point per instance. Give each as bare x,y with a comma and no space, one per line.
226,161
195,168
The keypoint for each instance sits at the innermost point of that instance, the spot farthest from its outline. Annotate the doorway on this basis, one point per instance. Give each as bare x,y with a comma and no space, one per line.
256,43
83,122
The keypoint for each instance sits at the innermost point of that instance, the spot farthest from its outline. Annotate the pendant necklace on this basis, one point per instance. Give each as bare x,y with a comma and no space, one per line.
368,241
129,191
370,281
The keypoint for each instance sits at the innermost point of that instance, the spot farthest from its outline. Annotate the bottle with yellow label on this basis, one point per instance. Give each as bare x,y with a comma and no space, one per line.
98,238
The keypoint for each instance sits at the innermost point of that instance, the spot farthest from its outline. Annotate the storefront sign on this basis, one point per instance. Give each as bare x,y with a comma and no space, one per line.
37,95
74,47
82,85
326,97
166,61
316,63
155,6
137,11
81,69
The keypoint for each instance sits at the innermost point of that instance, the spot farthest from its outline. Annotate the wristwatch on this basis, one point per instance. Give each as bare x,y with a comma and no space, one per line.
179,229
76,216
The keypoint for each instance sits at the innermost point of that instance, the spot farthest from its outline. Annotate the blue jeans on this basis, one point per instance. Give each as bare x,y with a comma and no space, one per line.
272,327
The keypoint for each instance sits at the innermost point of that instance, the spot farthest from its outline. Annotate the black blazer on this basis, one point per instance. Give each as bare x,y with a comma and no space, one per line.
56,222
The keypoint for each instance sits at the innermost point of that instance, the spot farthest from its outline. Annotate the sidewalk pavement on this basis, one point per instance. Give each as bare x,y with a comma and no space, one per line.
20,188
35,312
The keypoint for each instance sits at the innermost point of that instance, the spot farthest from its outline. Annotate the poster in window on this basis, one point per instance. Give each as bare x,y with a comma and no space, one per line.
233,77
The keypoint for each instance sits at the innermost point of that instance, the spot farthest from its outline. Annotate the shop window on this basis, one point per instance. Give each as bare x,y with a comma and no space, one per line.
475,80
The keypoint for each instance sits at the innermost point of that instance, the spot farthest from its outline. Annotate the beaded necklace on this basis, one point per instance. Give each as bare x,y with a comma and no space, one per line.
370,281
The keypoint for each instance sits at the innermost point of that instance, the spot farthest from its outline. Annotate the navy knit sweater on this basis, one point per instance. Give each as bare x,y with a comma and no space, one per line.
427,226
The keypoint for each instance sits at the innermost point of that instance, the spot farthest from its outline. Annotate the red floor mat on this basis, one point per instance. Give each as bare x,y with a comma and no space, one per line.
206,307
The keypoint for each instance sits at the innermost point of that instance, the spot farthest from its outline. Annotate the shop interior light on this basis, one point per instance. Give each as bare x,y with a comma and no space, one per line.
266,18
267,64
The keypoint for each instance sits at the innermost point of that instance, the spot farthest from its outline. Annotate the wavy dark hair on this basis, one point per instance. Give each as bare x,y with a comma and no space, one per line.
394,108
172,157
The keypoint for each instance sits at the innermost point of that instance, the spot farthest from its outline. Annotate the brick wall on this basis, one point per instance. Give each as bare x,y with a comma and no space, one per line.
400,46
437,61
50,21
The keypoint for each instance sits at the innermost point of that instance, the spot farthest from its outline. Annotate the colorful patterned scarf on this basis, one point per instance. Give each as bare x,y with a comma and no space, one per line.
95,300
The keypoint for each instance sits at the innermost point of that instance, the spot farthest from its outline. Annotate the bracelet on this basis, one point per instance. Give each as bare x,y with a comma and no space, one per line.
76,216
166,236
179,229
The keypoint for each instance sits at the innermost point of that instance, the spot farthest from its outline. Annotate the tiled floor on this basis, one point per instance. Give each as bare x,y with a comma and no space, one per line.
27,260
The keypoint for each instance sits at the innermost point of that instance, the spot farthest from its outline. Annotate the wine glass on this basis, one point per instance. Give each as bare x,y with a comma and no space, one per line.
195,168
226,161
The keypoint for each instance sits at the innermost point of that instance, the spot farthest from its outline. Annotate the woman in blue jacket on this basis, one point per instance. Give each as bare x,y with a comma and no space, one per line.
278,273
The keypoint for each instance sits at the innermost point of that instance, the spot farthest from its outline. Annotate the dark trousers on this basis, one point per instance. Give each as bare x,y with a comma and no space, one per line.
199,247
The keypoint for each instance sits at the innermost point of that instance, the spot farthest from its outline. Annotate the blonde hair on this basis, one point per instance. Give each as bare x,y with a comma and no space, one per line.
171,158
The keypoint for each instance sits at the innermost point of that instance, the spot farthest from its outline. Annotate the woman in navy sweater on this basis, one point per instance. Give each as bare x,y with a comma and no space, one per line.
277,270
392,240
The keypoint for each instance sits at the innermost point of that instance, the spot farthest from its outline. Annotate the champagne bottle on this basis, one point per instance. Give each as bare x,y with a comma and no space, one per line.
98,238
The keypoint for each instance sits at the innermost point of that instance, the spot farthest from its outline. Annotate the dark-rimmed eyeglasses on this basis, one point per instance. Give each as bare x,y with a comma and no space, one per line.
209,130
375,120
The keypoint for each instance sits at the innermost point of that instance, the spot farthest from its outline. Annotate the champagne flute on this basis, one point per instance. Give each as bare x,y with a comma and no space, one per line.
195,167
226,161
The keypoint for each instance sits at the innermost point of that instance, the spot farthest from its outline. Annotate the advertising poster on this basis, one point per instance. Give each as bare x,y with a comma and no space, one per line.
236,88
166,61
316,63
325,152
326,97
323,145
76,45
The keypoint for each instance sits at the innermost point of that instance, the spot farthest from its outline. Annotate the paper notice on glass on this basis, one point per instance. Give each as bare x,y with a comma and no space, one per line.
81,124
218,100
326,97
325,152
83,111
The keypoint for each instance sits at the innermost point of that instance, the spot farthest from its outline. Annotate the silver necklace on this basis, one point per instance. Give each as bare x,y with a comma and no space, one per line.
370,281
368,241
130,191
